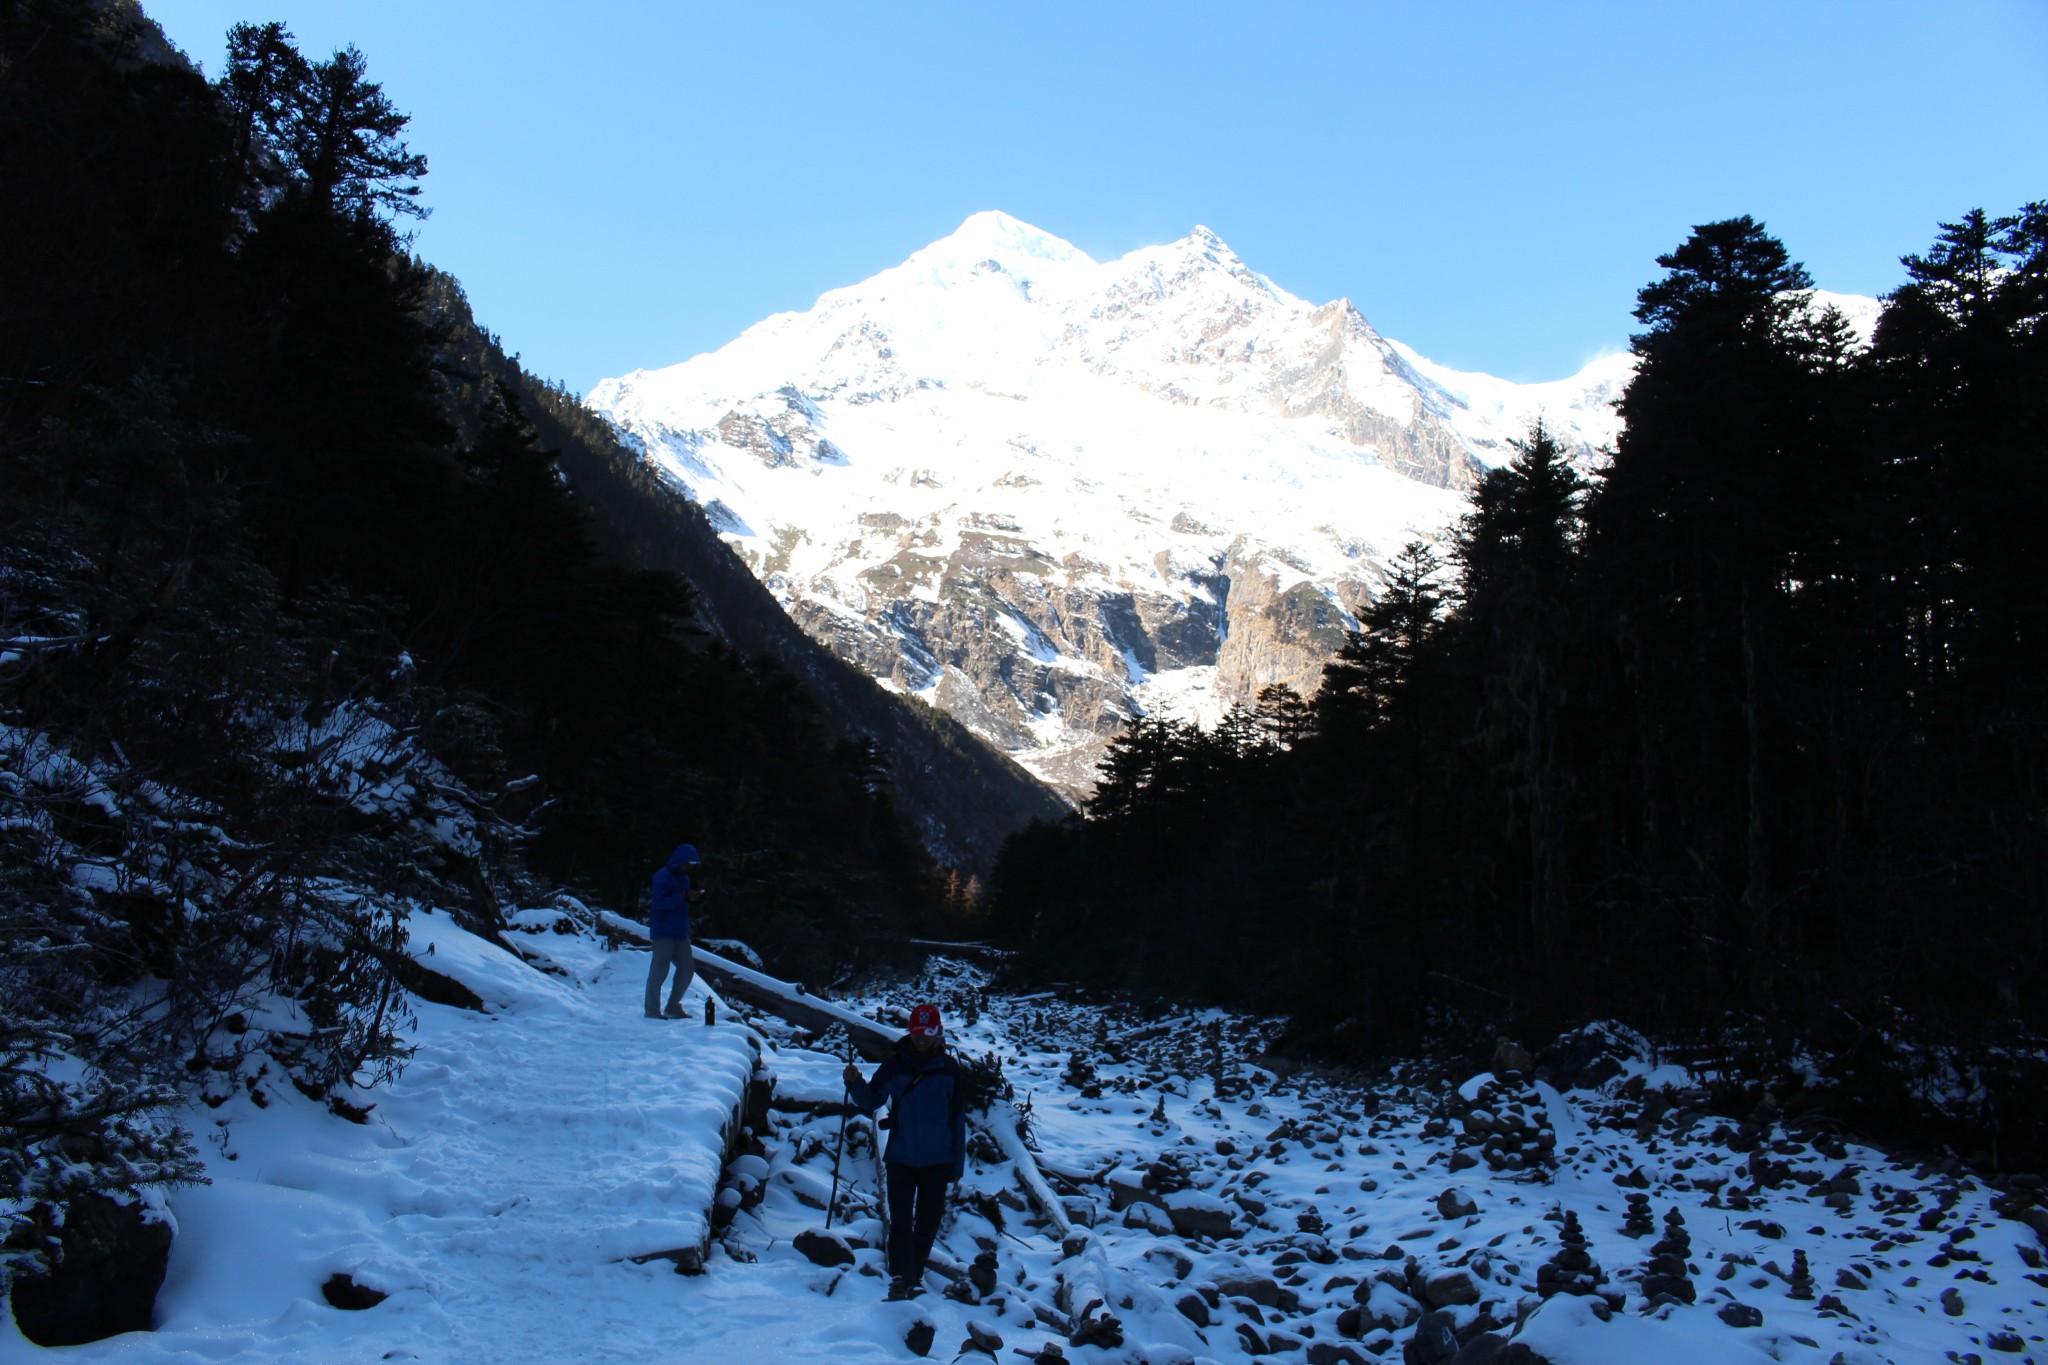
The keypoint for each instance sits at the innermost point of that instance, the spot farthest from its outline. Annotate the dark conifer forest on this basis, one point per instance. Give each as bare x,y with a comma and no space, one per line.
245,430
304,628
1740,740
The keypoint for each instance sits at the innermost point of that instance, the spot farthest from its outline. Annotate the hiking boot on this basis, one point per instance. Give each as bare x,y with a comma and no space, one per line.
900,1288
675,1011
649,1014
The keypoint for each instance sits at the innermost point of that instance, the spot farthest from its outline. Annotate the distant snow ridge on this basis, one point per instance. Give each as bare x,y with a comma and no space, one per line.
1048,494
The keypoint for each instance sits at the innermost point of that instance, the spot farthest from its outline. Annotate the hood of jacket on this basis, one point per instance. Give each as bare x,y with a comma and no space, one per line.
683,859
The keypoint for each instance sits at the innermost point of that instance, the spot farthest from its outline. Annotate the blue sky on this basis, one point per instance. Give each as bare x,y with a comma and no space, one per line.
623,185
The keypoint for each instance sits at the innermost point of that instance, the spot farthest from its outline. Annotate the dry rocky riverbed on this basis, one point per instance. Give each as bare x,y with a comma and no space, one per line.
1250,1215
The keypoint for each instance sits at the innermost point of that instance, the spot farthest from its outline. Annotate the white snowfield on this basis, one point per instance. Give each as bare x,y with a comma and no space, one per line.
503,1186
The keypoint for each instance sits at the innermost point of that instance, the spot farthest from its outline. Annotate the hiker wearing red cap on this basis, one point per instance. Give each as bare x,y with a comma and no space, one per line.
920,1082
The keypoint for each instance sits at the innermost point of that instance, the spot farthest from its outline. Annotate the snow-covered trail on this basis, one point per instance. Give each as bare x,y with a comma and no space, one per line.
565,1147
492,1194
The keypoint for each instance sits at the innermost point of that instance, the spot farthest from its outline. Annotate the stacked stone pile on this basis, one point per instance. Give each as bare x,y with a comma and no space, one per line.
1382,1303
1572,1270
2025,1200
1653,1115
1638,1221
1590,1057
1668,1277
1801,1278
1507,1125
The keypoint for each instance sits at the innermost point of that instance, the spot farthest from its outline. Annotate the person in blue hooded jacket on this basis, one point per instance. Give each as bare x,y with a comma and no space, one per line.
920,1082
668,925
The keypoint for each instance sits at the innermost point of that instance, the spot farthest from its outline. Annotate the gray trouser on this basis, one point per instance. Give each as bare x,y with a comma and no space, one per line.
669,952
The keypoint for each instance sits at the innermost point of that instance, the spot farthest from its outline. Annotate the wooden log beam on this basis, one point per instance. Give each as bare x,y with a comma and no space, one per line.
946,948
1085,1292
788,999
792,1002
1006,1126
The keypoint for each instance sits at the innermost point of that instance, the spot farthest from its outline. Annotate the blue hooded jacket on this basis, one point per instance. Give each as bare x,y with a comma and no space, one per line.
669,908
928,1112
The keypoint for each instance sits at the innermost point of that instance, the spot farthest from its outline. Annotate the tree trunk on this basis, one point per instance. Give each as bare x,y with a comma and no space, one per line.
1757,888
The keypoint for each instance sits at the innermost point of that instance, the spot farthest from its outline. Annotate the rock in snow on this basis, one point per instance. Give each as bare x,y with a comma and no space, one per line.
111,1259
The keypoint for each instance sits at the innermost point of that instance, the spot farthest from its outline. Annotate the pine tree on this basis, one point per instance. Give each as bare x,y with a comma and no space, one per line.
346,144
1516,553
1718,488
263,90
1360,686
325,130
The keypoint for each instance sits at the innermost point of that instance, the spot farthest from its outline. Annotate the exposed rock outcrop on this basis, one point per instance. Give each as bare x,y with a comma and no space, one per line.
110,1263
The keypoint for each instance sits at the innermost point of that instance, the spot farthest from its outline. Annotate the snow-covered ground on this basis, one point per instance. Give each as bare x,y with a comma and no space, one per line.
501,1190
492,1193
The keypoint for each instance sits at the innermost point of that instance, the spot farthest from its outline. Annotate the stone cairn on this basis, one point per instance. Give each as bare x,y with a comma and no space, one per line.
1668,1277
1170,1174
1638,1221
1802,1277
1221,1073
1508,1127
1109,1045
1572,1270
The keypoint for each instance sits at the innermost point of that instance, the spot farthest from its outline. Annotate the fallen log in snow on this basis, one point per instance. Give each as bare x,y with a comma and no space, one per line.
1073,1175
1086,1291
872,1040
960,949
785,998
1006,1126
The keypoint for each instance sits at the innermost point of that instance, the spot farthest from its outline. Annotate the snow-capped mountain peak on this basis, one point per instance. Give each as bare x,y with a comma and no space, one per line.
988,243
1048,493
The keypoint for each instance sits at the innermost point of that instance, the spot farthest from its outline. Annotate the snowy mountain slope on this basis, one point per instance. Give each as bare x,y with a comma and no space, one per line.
1489,412
1047,493
506,1184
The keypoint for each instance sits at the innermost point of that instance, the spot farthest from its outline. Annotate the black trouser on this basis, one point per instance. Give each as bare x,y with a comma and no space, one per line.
917,1201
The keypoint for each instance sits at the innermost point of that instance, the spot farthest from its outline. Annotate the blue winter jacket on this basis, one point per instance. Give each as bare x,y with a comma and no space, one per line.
928,1112
669,911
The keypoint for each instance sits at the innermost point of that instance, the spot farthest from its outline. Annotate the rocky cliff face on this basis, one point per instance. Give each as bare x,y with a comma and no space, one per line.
1046,494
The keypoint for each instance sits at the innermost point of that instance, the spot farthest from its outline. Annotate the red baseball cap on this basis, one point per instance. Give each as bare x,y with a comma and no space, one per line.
925,1019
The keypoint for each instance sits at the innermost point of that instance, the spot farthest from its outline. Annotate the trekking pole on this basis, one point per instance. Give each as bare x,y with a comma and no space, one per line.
833,1204
881,1181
